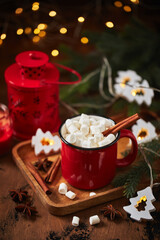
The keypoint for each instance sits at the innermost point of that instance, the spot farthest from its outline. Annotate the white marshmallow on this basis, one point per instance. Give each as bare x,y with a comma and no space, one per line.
64,130
93,121
68,122
62,188
84,119
111,137
78,142
104,142
71,138
102,125
109,123
94,220
98,137
72,128
91,139
75,221
92,142
70,195
84,129
77,124
95,130
86,144
78,134
92,194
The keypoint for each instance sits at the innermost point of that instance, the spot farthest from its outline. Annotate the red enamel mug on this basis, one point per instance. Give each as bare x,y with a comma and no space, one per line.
93,168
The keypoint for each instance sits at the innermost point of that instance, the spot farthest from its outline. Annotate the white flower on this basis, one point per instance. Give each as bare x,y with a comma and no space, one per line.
138,93
143,131
124,77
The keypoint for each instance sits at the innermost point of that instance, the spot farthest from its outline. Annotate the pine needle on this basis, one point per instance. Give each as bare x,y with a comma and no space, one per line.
140,171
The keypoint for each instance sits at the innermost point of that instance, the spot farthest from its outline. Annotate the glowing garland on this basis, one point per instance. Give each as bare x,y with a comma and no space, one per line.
39,32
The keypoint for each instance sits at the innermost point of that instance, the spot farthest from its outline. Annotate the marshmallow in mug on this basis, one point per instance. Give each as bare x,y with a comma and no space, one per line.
86,131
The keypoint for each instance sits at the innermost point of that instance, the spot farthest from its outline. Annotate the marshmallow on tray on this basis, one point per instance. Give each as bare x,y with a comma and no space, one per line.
92,194
75,221
70,195
94,220
86,131
62,188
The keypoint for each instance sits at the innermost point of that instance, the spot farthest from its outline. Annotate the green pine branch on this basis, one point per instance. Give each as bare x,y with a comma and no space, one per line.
140,171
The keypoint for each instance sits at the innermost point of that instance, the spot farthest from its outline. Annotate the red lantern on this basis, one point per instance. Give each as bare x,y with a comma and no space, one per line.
33,93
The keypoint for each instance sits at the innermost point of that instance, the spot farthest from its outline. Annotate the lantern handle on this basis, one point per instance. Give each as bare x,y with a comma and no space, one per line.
69,70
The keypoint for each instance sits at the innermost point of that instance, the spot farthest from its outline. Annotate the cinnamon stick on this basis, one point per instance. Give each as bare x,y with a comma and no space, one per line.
124,123
36,175
53,170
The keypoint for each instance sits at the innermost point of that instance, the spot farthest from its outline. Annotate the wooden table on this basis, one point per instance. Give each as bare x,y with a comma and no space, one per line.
45,226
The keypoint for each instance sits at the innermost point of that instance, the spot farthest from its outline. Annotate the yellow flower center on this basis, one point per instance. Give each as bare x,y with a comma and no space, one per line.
142,134
138,91
124,81
47,141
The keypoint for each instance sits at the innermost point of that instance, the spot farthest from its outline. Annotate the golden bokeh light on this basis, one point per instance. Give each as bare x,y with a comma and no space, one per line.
1,41
109,24
18,10
52,13
42,26
42,34
35,6
63,30
19,31
3,36
127,8
135,1
118,4
36,31
84,40
36,39
28,30
81,19
55,53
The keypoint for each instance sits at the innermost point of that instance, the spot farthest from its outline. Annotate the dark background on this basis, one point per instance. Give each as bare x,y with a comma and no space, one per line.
96,12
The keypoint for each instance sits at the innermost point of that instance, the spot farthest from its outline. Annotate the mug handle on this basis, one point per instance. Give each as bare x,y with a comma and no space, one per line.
122,162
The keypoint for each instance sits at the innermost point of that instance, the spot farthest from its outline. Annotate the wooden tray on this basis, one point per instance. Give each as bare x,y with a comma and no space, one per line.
56,203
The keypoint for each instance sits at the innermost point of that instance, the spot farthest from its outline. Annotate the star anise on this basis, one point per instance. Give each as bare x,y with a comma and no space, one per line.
110,211
43,164
26,209
18,195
